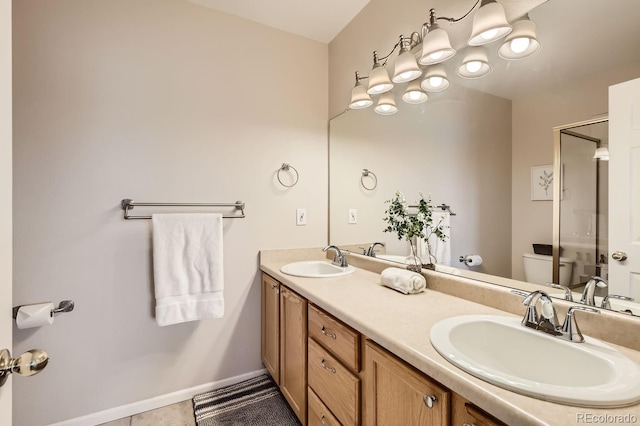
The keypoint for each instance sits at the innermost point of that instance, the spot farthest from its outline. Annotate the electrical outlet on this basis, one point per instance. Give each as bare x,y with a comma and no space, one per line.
353,215
301,217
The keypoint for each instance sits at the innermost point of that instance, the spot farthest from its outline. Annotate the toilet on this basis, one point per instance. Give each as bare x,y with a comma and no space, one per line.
538,269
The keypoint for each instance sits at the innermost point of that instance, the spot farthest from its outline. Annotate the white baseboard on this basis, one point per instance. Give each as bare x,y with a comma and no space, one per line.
153,403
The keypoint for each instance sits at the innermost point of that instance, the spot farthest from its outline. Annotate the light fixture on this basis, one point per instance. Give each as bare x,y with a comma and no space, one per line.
436,46
379,81
601,153
521,42
435,79
386,104
414,93
406,67
359,96
489,23
475,63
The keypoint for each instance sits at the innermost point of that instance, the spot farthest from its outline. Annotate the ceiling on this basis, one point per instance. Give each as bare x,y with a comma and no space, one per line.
318,20
579,37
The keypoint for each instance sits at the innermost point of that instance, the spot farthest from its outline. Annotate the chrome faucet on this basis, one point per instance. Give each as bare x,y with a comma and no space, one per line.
607,305
547,321
590,289
371,250
339,258
568,295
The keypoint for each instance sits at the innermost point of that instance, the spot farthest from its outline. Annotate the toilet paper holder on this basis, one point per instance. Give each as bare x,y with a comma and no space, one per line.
471,259
63,306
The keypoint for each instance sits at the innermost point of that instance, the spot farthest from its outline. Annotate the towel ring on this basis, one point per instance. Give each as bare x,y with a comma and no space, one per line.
286,168
366,173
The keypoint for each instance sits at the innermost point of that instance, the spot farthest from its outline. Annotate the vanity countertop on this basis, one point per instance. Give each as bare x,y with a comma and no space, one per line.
401,324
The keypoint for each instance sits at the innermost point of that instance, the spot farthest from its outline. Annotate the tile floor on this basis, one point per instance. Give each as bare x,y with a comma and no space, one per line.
180,414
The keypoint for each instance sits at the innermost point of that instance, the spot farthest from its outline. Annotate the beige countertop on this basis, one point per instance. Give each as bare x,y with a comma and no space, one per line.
401,324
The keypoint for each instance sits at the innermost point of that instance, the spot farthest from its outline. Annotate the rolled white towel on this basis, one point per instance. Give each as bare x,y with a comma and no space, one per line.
403,280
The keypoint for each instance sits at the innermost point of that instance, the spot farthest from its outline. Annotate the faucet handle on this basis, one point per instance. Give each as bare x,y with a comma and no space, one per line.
607,305
570,330
567,291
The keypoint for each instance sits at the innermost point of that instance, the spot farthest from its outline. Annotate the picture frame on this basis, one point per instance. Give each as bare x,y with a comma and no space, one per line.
542,183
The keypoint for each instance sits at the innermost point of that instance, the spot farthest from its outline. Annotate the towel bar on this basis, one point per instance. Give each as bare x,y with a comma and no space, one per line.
128,204
443,207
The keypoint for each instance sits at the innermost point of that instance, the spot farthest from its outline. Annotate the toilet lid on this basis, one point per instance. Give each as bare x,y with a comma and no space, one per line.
546,258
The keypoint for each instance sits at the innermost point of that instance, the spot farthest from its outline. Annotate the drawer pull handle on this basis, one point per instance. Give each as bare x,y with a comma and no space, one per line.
333,370
322,420
274,287
429,400
326,333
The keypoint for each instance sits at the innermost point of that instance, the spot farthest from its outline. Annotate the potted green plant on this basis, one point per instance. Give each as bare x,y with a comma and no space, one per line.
411,226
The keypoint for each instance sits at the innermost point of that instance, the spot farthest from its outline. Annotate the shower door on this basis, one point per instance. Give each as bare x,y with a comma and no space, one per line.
580,202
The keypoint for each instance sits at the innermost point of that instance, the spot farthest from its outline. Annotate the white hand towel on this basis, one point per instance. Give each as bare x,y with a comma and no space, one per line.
440,249
187,267
403,280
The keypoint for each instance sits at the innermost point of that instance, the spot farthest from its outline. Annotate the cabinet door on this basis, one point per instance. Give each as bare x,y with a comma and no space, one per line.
398,394
293,351
271,326
464,412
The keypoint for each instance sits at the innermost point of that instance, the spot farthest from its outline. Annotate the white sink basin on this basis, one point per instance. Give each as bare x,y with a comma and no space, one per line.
316,269
501,351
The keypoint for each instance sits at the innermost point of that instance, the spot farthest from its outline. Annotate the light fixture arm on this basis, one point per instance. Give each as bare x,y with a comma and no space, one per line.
433,18
358,77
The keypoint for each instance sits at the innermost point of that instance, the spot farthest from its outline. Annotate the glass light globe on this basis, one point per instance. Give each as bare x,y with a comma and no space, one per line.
520,44
435,81
489,34
473,66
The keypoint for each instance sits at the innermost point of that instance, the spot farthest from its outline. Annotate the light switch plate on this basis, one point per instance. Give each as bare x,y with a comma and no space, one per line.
301,217
353,216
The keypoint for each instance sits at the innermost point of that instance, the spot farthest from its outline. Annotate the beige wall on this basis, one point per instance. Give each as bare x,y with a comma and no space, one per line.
534,117
5,197
155,100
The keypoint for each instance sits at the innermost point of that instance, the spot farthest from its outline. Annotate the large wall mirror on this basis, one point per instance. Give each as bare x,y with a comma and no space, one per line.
485,148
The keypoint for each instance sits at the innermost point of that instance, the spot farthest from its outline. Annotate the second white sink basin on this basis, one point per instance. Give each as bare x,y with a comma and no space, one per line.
316,269
501,351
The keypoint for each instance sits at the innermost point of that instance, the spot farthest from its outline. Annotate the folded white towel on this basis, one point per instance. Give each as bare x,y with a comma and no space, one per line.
403,280
187,267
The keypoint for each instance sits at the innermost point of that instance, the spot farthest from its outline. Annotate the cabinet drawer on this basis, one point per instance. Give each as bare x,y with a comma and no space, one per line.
464,412
319,414
336,386
342,341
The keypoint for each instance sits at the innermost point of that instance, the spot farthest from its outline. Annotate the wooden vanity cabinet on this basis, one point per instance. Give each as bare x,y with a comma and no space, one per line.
270,345
284,342
334,366
398,394
464,412
331,375
293,351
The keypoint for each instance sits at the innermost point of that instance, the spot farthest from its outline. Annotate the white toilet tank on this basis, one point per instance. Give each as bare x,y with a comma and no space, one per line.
538,269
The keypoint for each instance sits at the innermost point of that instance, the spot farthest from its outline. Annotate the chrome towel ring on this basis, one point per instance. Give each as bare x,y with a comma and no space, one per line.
367,173
285,167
